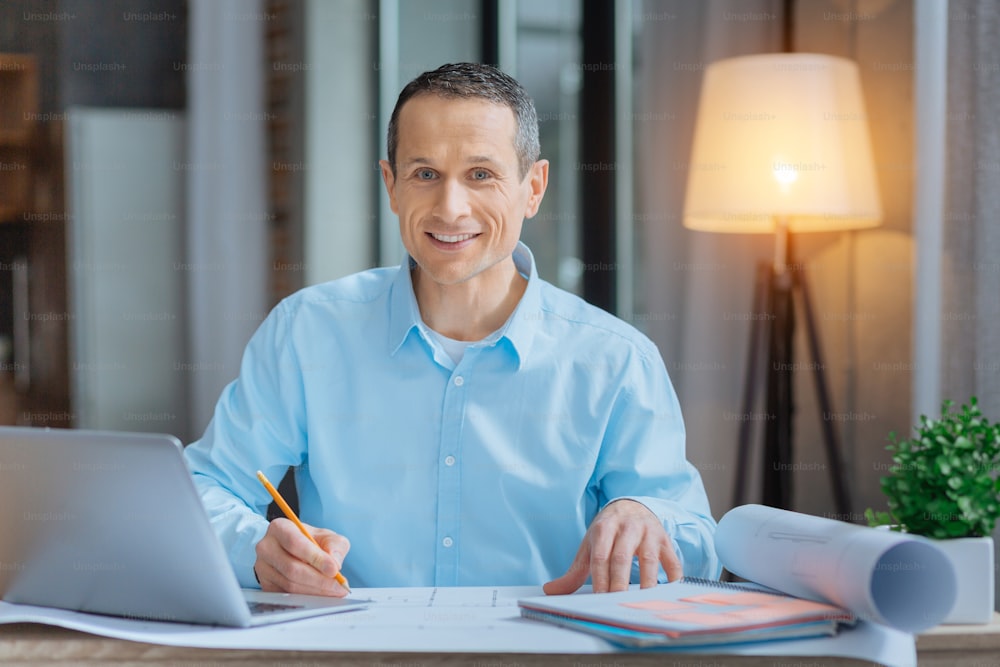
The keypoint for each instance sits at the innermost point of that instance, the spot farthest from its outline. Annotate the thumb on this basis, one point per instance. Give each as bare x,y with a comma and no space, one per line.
332,543
575,575
333,550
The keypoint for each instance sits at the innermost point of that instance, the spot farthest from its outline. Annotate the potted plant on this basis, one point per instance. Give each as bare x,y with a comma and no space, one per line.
943,484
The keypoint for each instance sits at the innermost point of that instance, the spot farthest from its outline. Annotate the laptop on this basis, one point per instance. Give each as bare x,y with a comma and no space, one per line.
111,523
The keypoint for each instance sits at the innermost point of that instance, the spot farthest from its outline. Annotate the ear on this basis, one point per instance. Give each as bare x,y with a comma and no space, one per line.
390,184
538,180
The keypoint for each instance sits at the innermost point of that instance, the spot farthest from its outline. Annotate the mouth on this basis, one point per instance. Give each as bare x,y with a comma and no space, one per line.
457,238
451,241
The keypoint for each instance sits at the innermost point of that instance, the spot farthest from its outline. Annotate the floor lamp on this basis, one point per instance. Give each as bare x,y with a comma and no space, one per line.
781,146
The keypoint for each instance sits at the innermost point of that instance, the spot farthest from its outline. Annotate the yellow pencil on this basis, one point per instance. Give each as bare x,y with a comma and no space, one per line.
341,579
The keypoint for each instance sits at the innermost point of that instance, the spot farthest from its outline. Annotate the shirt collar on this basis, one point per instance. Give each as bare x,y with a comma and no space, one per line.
404,314
519,330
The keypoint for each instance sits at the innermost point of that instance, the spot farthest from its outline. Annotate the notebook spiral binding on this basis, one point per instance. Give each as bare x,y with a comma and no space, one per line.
733,585
716,583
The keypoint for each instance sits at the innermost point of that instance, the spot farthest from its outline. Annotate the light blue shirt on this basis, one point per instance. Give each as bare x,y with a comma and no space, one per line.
487,472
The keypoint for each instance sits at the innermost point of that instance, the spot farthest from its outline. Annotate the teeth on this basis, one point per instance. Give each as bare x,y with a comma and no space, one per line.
452,239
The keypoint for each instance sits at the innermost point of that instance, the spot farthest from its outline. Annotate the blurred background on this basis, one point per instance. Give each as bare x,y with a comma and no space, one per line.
170,170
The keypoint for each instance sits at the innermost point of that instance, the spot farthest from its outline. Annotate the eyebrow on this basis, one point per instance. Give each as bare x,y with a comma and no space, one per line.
472,159
479,159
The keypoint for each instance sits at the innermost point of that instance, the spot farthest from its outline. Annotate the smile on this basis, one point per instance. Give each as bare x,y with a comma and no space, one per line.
444,238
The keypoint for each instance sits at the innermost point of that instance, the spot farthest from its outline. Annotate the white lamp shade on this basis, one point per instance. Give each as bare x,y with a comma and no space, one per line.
781,137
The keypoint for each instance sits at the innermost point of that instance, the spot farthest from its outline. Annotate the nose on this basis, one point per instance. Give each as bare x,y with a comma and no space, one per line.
453,202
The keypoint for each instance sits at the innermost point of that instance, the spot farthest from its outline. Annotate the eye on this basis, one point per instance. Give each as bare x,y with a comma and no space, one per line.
425,174
480,175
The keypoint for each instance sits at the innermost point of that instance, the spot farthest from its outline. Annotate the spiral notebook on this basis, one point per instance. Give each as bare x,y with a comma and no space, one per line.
689,612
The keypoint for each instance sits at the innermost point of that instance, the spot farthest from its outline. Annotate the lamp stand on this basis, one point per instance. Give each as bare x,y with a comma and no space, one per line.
773,319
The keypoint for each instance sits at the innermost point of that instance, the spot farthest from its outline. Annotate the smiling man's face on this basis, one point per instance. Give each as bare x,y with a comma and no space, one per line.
457,191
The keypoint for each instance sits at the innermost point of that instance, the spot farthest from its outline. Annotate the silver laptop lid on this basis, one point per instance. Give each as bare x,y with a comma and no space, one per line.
109,523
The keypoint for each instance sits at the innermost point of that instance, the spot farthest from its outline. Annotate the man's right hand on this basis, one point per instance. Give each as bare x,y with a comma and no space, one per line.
287,562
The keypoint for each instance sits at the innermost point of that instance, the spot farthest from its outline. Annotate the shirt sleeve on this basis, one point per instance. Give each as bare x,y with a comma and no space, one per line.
643,459
257,425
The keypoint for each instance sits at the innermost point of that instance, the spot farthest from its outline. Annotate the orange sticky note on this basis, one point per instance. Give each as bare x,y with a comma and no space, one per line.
656,605
699,618
743,598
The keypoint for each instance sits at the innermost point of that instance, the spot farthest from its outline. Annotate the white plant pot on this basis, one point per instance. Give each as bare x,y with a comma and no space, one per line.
972,558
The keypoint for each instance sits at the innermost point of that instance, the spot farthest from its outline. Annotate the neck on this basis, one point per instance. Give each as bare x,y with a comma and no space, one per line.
473,309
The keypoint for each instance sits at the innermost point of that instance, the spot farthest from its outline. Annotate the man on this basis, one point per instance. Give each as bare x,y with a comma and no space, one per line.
459,420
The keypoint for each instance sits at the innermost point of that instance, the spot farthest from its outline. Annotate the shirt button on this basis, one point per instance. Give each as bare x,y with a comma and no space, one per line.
459,381
449,460
447,541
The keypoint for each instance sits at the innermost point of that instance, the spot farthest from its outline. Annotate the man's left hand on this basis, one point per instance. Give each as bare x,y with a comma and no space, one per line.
621,530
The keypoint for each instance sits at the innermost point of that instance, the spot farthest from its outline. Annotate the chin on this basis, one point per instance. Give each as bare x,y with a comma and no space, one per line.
447,278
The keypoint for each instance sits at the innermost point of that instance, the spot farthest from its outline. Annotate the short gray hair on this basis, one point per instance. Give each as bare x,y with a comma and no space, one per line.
474,80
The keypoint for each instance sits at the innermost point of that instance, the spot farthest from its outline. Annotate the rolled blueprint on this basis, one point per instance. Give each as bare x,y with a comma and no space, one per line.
892,578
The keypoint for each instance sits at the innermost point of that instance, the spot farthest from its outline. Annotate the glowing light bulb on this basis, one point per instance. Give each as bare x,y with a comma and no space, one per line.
785,173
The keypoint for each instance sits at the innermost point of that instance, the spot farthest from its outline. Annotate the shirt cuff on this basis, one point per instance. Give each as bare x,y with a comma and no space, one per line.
243,555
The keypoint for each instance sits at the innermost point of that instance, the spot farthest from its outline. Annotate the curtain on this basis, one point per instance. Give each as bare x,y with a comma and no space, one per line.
696,287
226,268
689,280
970,273
970,315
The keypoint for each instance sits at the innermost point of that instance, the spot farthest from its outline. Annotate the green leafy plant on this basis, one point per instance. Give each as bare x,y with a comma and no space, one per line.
943,482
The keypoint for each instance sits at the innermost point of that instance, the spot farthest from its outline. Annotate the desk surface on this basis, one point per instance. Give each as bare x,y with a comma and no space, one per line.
952,644
32,644
35,644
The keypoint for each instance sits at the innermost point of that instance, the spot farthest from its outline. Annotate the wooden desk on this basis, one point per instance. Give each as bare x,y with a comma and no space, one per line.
955,645
32,644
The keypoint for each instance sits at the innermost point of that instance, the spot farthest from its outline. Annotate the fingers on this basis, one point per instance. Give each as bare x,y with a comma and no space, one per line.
575,576
623,531
649,565
288,561
671,563
332,545
606,556
613,546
